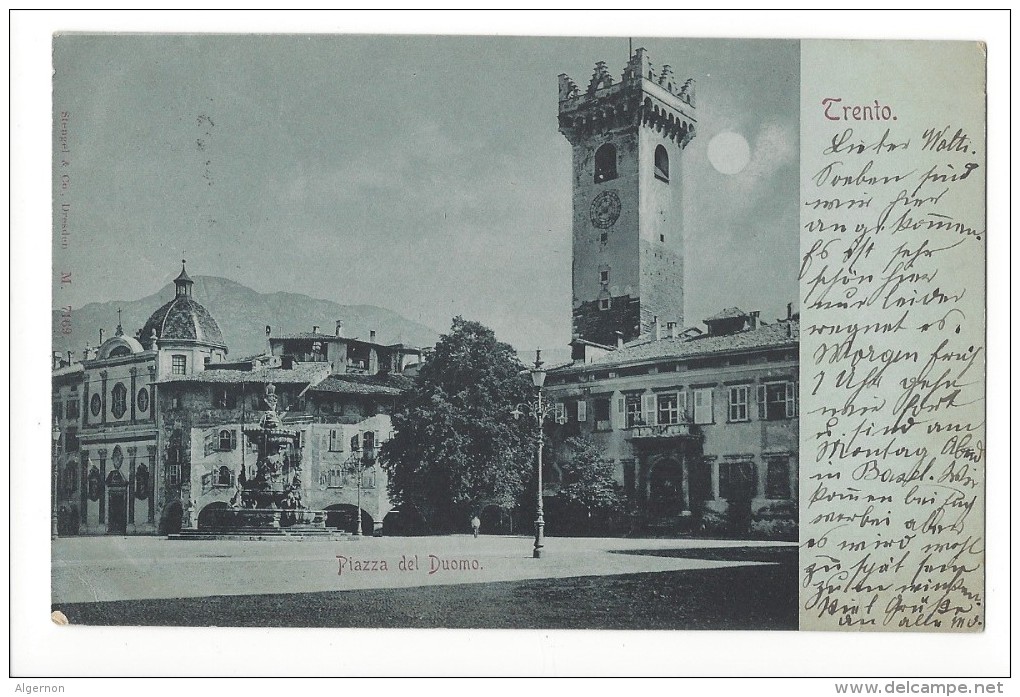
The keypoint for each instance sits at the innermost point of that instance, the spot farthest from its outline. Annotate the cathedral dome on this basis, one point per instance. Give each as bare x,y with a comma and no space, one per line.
182,319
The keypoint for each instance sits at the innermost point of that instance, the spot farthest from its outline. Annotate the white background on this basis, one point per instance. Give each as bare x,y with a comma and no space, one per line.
40,648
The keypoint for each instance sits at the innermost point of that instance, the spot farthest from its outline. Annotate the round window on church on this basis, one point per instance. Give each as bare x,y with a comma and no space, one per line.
143,399
95,404
119,397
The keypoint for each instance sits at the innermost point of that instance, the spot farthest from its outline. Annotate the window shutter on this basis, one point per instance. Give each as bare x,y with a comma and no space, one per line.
791,400
210,439
582,410
648,409
681,405
233,440
560,412
616,416
703,408
762,404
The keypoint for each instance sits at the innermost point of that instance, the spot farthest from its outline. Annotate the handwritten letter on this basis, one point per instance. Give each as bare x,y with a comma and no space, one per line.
892,354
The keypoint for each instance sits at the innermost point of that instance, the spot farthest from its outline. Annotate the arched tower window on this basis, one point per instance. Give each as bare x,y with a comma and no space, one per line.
661,163
605,163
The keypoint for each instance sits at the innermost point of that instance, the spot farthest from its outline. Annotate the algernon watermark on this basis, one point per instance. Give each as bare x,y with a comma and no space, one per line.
26,688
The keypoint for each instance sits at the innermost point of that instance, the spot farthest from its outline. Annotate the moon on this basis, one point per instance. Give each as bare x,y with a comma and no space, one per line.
728,152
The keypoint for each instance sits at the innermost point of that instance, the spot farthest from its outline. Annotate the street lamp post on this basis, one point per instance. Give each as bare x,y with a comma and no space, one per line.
538,379
540,411
358,468
56,468
360,457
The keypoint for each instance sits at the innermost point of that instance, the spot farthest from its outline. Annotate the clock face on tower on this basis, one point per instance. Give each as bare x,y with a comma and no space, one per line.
605,209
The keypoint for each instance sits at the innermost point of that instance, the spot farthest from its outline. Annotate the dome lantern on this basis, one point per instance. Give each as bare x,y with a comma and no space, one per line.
182,322
183,281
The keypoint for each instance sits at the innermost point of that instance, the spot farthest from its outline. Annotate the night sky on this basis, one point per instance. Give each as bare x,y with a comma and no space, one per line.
421,174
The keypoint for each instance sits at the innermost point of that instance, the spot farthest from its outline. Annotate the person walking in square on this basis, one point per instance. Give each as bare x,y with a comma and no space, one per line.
476,525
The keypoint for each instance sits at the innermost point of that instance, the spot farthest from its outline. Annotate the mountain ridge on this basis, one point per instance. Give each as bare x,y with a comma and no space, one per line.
242,314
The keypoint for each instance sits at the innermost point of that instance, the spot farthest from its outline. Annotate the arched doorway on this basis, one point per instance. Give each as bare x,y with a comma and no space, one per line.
666,488
343,516
170,520
116,502
210,515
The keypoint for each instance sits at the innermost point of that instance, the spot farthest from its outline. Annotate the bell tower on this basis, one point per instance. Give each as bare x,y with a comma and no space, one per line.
628,139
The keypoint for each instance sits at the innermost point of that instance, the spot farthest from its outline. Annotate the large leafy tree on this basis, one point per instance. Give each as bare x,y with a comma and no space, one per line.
456,444
587,485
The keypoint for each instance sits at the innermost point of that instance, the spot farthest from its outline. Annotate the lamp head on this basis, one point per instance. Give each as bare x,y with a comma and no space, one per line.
537,374
538,377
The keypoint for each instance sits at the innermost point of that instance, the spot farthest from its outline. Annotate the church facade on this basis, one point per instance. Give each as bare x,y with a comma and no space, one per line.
700,420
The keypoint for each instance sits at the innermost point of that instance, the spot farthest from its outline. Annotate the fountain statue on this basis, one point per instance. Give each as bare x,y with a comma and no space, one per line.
271,497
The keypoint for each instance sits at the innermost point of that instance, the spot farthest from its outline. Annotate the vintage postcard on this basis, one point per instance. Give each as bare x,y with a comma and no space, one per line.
380,331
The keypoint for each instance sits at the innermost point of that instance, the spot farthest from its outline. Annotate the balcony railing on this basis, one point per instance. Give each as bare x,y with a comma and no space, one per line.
677,430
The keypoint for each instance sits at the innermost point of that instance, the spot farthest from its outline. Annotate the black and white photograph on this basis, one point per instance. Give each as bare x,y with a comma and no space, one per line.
459,331
509,350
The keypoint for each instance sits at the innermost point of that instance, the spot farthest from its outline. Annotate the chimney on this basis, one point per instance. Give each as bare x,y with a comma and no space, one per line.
658,328
56,359
339,327
70,357
315,329
671,328
100,336
269,330
754,319
789,311
619,339
789,330
371,336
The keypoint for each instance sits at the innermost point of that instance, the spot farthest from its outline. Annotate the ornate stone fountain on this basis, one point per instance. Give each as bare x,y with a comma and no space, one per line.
267,502
273,496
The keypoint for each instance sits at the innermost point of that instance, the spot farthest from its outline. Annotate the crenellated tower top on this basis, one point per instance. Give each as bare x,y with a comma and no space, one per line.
644,96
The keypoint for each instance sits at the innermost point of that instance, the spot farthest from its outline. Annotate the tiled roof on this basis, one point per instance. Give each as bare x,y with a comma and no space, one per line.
299,375
728,313
68,370
182,318
312,336
345,385
764,336
253,357
365,384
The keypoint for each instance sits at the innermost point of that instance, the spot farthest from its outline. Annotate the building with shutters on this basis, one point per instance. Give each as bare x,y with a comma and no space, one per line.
148,429
342,421
702,426
701,422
